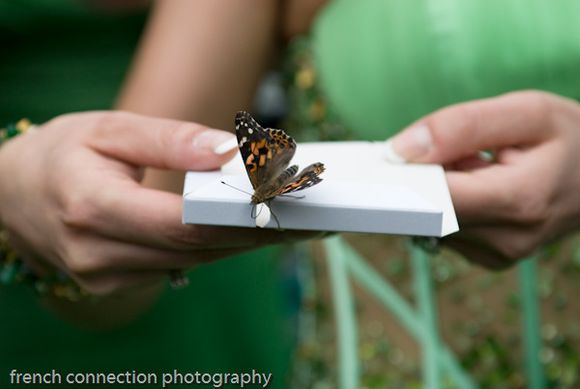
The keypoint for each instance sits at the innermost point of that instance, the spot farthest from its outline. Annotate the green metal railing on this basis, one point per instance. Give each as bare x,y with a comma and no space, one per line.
438,361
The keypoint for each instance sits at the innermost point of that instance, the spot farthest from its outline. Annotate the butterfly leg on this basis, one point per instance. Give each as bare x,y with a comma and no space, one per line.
275,217
292,196
253,213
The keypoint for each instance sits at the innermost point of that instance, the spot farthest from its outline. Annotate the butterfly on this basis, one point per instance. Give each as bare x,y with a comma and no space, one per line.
266,153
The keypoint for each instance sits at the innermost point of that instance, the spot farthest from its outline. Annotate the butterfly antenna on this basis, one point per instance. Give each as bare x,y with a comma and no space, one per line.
233,187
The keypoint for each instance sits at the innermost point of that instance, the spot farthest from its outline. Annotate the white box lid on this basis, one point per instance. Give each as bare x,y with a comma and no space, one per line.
360,192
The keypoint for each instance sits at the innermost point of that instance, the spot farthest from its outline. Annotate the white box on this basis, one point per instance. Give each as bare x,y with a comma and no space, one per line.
360,192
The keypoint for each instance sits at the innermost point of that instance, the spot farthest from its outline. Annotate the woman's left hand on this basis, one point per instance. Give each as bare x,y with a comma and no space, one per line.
529,194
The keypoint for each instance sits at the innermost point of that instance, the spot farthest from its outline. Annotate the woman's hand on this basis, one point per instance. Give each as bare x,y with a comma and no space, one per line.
529,194
71,199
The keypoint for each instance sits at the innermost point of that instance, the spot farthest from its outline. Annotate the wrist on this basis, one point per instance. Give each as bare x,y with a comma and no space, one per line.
13,269
7,134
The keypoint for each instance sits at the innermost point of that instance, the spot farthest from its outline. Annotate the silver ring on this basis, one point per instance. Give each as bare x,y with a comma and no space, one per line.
178,279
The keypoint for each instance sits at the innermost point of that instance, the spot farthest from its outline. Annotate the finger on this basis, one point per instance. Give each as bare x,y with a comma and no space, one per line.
460,131
511,243
115,283
478,254
504,243
129,212
161,143
508,192
479,197
87,254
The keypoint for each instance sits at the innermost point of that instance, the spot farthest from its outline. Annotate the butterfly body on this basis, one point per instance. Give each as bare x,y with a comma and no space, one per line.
266,154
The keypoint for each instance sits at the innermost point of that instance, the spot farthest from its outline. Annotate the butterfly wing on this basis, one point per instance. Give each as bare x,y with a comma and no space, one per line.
308,177
265,152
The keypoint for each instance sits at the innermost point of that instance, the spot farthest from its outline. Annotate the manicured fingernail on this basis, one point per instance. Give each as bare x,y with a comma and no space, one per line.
226,146
408,145
389,154
214,140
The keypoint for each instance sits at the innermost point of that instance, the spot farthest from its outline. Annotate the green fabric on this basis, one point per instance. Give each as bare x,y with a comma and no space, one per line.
60,57
229,319
384,63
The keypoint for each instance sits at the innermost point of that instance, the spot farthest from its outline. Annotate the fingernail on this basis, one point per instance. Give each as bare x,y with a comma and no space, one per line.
214,140
226,146
389,154
408,145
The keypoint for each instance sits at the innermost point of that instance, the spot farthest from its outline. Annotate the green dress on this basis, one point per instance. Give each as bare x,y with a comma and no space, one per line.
369,69
385,63
59,57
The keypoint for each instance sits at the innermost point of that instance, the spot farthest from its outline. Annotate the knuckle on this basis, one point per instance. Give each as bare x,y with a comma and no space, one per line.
538,104
465,115
465,118
516,248
523,202
69,119
59,121
166,137
107,123
81,260
77,210
531,206
83,264
505,200
534,98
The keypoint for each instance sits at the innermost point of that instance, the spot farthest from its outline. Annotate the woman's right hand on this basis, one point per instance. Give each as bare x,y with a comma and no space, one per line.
528,195
71,199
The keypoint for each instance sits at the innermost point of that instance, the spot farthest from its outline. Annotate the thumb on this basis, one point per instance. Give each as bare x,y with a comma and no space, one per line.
162,143
460,131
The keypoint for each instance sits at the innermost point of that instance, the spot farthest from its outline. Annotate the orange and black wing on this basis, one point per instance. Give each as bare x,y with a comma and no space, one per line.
308,177
265,152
